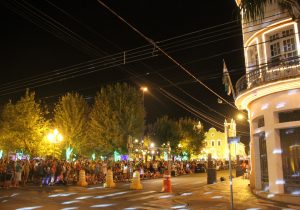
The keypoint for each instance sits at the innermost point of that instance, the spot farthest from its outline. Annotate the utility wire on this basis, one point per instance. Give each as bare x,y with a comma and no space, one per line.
204,30
91,67
166,54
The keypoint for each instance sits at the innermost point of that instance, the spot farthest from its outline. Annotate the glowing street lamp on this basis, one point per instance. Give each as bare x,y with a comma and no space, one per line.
144,89
240,116
55,138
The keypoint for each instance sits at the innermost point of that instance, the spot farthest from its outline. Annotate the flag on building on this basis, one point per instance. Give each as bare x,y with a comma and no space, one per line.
227,81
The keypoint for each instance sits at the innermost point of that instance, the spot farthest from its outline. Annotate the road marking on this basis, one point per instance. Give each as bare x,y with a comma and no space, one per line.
134,193
142,198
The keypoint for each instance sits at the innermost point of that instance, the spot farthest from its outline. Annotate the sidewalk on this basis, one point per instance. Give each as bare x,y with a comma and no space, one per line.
217,197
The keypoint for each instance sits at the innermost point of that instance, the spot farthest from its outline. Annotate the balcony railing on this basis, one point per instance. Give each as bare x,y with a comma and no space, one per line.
268,74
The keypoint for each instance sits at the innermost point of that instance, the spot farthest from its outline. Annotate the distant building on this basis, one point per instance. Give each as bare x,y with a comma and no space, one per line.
216,145
270,92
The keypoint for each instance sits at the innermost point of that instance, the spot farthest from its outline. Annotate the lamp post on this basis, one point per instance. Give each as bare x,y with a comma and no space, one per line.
55,138
230,134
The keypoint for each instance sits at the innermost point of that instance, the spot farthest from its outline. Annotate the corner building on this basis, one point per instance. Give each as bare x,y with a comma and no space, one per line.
270,92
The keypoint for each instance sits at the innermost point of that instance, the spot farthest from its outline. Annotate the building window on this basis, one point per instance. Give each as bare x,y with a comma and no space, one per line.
212,143
282,46
219,142
261,122
252,57
290,145
293,115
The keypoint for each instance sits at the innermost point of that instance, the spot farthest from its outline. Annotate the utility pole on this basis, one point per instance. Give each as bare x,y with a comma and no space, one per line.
229,160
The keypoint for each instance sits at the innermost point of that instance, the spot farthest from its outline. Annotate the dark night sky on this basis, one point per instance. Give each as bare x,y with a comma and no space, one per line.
29,49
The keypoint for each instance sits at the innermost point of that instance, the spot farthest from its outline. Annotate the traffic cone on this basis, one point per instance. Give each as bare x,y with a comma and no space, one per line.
82,180
109,180
136,182
166,182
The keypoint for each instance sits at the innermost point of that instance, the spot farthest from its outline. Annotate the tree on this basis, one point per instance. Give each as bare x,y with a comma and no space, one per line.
255,9
118,112
191,134
164,130
71,119
23,126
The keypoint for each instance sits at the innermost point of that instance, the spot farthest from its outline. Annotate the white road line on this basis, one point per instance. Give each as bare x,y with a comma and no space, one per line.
142,198
133,193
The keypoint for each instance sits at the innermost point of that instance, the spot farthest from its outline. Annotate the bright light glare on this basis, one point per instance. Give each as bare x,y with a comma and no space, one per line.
59,137
253,209
277,151
83,197
102,205
111,195
296,193
280,181
280,105
207,193
270,195
166,196
60,195
144,89
240,116
31,207
186,194
50,137
291,92
92,188
264,107
100,196
178,207
217,197
69,202
69,208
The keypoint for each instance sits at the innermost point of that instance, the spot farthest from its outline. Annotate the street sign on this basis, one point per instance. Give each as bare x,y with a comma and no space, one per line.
232,140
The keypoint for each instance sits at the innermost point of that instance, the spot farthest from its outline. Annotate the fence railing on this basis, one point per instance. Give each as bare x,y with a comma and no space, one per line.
267,74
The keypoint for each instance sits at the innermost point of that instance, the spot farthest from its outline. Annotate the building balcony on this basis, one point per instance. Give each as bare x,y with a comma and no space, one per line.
267,79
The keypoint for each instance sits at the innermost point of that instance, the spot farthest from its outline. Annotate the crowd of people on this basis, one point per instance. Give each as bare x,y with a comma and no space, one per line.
60,172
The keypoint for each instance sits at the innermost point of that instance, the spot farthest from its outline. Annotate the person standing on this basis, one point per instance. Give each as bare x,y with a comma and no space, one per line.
18,173
25,172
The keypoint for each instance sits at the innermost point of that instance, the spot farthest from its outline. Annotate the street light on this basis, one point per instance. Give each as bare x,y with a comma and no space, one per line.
144,89
55,138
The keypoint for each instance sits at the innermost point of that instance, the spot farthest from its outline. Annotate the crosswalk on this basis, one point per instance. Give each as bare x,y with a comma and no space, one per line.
92,198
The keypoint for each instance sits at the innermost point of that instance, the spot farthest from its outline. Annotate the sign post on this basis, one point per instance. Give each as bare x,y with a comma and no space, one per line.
231,138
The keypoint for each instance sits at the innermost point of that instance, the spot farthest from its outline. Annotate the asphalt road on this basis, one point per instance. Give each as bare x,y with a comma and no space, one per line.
189,192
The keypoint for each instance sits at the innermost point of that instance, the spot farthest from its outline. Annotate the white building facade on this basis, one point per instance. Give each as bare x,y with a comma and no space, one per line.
270,92
216,145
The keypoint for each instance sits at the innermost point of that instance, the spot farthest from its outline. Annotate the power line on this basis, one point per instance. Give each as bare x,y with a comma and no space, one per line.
46,75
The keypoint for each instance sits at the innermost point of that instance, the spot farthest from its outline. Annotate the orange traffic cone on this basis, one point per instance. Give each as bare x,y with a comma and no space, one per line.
166,182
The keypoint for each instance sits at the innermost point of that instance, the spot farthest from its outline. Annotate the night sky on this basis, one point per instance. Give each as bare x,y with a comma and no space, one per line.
40,39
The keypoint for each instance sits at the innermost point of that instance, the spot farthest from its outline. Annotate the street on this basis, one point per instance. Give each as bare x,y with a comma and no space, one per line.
189,192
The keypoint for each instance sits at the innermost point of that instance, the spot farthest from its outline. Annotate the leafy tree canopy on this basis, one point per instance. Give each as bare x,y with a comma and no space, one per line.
23,126
71,119
117,113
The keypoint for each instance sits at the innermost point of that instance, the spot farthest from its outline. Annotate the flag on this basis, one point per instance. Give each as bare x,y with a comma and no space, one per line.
227,81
